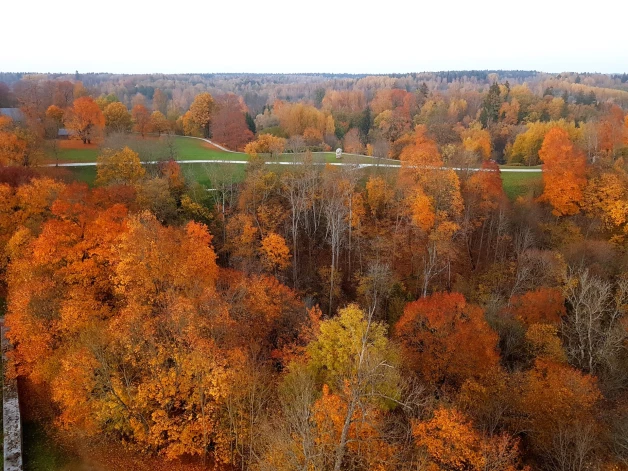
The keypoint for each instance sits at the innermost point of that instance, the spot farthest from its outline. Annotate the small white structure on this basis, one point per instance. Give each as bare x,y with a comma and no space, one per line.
338,153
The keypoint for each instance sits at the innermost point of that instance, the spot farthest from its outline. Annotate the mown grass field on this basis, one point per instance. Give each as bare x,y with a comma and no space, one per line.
71,151
186,149
521,183
515,183
195,149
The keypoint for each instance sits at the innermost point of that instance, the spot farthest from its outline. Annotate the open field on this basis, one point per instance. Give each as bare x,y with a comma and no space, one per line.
207,174
73,151
83,174
196,149
519,184
516,183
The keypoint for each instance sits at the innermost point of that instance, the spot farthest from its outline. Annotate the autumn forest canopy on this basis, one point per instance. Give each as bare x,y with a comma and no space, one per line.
418,306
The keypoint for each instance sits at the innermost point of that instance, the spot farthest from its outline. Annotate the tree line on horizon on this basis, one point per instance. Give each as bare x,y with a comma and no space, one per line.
504,117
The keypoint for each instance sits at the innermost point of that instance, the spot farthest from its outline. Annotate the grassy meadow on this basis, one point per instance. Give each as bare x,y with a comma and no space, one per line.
182,148
521,183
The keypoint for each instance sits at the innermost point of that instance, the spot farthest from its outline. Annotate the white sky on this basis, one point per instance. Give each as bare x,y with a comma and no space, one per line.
131,36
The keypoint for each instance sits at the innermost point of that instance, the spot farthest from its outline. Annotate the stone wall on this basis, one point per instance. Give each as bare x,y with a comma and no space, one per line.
12,424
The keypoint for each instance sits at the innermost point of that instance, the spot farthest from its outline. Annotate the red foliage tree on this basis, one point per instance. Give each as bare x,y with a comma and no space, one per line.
446,340
229,125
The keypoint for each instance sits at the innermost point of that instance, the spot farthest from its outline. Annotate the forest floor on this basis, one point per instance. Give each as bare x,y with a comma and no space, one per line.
42,453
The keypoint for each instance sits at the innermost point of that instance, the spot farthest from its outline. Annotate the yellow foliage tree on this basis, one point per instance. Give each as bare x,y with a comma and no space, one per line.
158,122
121,167
606,197
295,118
477,140
266,144
202,112
117,117
527,145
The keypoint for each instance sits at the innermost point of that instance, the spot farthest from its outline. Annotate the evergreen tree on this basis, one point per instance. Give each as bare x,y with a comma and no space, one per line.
422,94
490,107
581,99
319,94
423,90
365,124
565,111
250,122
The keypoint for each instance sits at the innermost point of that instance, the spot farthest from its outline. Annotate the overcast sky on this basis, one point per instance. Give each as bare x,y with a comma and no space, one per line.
131,36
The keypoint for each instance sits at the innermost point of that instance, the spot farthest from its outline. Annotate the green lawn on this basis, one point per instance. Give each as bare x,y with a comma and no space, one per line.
83,174
191,149
521,166
515,183
521,183
195,149
73,155
209,175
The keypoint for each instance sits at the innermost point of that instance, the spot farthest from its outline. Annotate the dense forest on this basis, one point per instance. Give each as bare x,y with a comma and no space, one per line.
321,317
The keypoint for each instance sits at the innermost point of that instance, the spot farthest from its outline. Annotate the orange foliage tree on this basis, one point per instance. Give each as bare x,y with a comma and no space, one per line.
141,119
85,118
434,203
453,444
295,118
275,253
564,173
606,197
54,114
561,425
12,148
541,306
158,122
116,298
611,130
